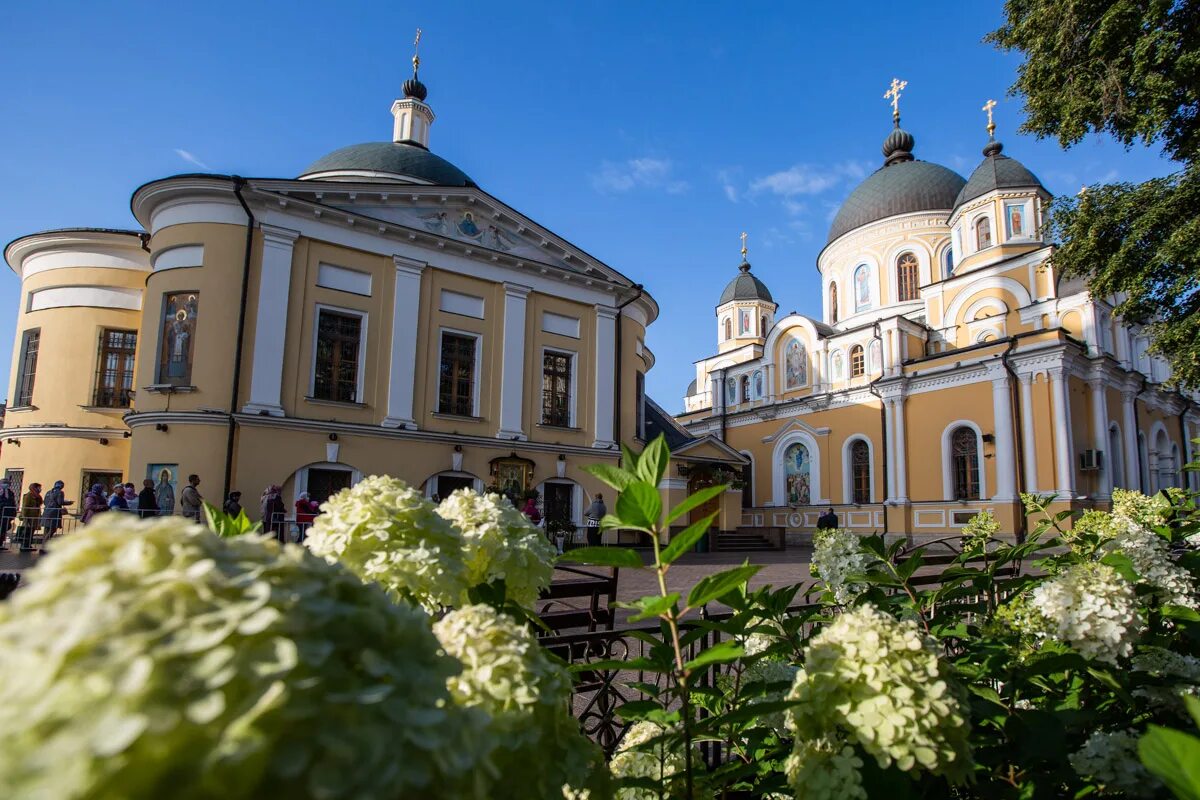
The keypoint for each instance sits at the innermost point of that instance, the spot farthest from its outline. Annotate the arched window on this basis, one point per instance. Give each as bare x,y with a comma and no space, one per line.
860,472
762,328
964,463
907,277
728,328
948,257
1117,460
983,233
833,309
745,388
857,362
862,288
1143,463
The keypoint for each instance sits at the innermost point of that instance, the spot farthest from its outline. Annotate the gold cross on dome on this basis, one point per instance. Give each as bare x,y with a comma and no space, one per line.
893,94
743,245
988,106
416,54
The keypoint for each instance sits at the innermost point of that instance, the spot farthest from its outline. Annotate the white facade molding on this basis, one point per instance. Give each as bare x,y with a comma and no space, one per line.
402,356
848,467
270,322
779,476
1064,446
179,256
1028,441
900,450
1006,461
512,367
947,458
114,297
1105,479
331,276
606,366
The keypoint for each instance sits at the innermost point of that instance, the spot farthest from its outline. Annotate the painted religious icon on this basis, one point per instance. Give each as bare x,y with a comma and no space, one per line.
744,325
873,357
835,364
795,365
862,287
758,384
730,391
467,226
1016,220
796,469
166,480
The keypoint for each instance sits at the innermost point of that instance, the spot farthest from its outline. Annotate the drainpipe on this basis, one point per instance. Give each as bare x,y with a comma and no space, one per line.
1018,434
617,382
238,184
887,489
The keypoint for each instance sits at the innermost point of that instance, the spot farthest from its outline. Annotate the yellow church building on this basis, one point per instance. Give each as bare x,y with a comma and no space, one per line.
951,368
379,313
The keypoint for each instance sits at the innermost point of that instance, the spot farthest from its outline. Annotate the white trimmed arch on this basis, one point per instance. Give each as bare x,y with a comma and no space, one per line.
848,467
969,292
947,458
779,479
924,270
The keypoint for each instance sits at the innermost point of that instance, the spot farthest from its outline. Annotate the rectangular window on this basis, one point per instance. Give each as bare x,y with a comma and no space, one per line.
456,381
556,389
106,479
114,371
28,369
339,339
16,481
177,338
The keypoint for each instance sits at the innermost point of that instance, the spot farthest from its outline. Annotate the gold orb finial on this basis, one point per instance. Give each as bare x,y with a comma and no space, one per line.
744,250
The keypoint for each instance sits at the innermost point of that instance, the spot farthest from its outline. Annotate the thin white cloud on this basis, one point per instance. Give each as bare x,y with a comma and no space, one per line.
802,180
637,173
727,178
191,158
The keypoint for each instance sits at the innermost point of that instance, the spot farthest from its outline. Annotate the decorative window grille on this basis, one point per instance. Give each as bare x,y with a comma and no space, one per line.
907,277
833,307
860,465
114,371
456,385
983,233
858,364
339,339
29,357
964,450
556,389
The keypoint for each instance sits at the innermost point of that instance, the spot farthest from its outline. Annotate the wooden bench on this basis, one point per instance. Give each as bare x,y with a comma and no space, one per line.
599,589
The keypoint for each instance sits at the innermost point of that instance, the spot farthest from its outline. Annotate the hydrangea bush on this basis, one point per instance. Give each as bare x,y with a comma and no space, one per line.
151,659
837,556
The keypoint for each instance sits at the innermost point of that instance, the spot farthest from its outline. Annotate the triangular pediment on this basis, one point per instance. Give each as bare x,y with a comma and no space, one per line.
794,425
709,448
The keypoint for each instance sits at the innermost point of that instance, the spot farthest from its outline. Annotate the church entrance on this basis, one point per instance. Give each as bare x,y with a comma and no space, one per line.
323,483
448,484
696,483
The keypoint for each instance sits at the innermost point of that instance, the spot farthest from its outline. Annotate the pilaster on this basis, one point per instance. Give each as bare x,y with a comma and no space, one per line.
606,368
512,367
402,360
270,322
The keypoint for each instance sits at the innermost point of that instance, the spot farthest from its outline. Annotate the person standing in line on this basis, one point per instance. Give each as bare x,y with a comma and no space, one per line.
274,513
131,498
190,499
306,512
56,503
93,503
233,504
116,500
31,515
595,512
827,520
8,510
147,500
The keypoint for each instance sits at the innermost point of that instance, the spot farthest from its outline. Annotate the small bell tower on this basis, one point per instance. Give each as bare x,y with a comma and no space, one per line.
412,117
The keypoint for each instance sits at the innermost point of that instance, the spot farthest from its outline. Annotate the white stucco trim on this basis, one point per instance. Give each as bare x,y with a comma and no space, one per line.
572,384
85,297
270,326
848,468
402,356
364,332
431,481
475,379
779,483
577,497
947,470
512,365
968,292
302,478
183,255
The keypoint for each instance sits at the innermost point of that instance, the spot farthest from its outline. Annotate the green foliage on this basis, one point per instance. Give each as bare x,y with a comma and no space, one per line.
1174,756
225,526
1129,69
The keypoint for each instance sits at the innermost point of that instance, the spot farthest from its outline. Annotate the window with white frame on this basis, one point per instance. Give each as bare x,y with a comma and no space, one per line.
337,360
558,372
983,233
457,374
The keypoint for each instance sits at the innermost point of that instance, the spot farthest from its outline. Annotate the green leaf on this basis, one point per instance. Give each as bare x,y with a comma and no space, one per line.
687,538
695,500
652,464
604,556
721,653
713,586
637,709
640,664
654,606
639,506
1174,756
616,477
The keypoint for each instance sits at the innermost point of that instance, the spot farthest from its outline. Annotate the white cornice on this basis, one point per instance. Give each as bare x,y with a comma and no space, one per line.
65,249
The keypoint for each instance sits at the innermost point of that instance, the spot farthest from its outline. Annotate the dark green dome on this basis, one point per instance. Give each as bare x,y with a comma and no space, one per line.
997,172
391,159
903,187
745,287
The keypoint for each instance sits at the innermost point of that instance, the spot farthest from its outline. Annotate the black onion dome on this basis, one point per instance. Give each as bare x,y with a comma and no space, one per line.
415,89
898,146
745,287
391,158
997,171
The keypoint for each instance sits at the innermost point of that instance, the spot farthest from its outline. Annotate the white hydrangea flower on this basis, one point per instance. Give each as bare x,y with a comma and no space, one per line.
769,670
838,554
387,532
658,763
1151,557
879,683
1149,512
510,676
500,543
1163,663
979,530
824,769
152,659
1111,759
1091,608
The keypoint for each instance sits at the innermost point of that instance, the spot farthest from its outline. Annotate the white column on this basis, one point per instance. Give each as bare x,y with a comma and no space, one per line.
606,370
512,367
1028,445
1064,449
270,322
1006,462
402,365
1104,477
890,444
1133,472
900,451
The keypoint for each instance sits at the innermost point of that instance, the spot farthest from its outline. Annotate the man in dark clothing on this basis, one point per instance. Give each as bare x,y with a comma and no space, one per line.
595,512
8,510
147,502
827,520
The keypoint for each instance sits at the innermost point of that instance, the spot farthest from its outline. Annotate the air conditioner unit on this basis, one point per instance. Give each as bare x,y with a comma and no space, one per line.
1091,460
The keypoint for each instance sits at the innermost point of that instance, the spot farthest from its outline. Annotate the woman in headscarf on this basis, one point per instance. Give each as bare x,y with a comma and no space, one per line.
306,512
274,513
31,515
56,503
94,503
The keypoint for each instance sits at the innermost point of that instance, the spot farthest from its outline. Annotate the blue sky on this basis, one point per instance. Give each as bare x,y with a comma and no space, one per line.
649,134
